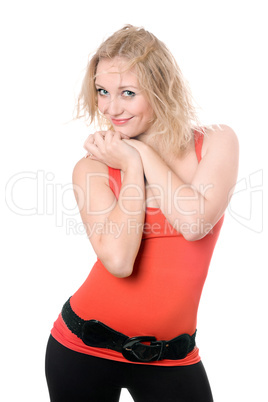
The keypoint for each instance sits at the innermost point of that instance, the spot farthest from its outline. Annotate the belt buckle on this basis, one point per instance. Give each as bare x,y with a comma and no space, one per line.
134,350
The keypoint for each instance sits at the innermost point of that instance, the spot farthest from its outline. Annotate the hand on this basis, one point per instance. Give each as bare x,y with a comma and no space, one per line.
109,147
138,145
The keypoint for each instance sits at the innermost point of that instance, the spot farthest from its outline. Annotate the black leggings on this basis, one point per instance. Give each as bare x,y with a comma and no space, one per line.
76,377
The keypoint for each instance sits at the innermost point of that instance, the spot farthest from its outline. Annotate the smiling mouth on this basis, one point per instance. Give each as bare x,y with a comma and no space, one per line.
120,122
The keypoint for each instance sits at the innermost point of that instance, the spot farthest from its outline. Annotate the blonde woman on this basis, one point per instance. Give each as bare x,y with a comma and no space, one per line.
152,191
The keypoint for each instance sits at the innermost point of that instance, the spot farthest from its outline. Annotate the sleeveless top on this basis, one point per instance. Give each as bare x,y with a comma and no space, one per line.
162,295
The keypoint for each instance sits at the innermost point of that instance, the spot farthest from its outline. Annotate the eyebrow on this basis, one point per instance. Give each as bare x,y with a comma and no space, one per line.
122,87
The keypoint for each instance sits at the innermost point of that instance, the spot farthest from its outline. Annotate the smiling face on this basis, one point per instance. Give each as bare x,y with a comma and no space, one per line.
120,98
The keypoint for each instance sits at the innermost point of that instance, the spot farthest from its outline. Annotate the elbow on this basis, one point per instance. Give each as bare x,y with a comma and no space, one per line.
118,268
121,271
193,236
193,231
116,262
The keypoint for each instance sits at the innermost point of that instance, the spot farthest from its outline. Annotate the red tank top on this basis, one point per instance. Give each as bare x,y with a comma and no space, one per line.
159,299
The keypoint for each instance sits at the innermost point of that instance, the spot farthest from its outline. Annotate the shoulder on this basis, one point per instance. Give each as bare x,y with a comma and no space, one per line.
220,138
219,132
91,184
90,167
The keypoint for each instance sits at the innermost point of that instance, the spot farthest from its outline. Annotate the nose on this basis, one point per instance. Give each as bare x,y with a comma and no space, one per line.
114,107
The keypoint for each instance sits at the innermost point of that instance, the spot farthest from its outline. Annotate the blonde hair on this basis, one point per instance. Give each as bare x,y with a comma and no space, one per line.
158,74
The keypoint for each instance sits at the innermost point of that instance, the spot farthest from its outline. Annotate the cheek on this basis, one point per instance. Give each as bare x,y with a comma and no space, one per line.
146,110
148,113
100,104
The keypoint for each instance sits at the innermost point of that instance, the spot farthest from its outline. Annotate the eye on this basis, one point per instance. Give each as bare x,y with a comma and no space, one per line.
129,94
102,92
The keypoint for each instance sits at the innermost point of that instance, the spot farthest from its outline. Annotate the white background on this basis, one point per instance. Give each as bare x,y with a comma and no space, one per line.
221,47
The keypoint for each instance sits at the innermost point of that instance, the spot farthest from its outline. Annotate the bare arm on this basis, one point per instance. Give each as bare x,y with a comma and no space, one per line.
207,196
114,227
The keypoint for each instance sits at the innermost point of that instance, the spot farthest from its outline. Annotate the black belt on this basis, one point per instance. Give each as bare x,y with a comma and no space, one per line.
96,334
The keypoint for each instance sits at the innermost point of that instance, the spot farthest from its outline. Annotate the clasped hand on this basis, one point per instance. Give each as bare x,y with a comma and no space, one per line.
113,148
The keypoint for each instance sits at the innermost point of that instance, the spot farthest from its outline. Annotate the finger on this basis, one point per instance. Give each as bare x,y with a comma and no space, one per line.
124,136
88,155
89,140
98,138
102,133
90,145
91,156
92,149
109,136
117,135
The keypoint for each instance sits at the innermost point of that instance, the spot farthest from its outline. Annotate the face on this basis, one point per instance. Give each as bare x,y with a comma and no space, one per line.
120,98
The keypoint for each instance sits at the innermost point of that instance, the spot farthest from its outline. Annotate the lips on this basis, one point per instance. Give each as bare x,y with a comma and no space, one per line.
120,122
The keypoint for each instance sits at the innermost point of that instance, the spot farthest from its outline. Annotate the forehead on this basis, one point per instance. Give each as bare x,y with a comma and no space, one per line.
115,70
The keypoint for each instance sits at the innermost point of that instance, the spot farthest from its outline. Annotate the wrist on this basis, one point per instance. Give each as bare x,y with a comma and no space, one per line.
134,162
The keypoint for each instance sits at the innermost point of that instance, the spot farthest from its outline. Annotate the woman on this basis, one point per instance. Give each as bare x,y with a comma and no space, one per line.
152,191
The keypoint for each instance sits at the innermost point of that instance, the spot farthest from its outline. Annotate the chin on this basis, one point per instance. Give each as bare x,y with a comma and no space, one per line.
129,133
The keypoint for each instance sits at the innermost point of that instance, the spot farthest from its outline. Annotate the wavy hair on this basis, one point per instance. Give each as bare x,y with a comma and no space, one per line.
160,77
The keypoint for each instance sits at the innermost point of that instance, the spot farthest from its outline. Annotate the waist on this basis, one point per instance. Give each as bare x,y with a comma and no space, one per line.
136,349
64,336
151,301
